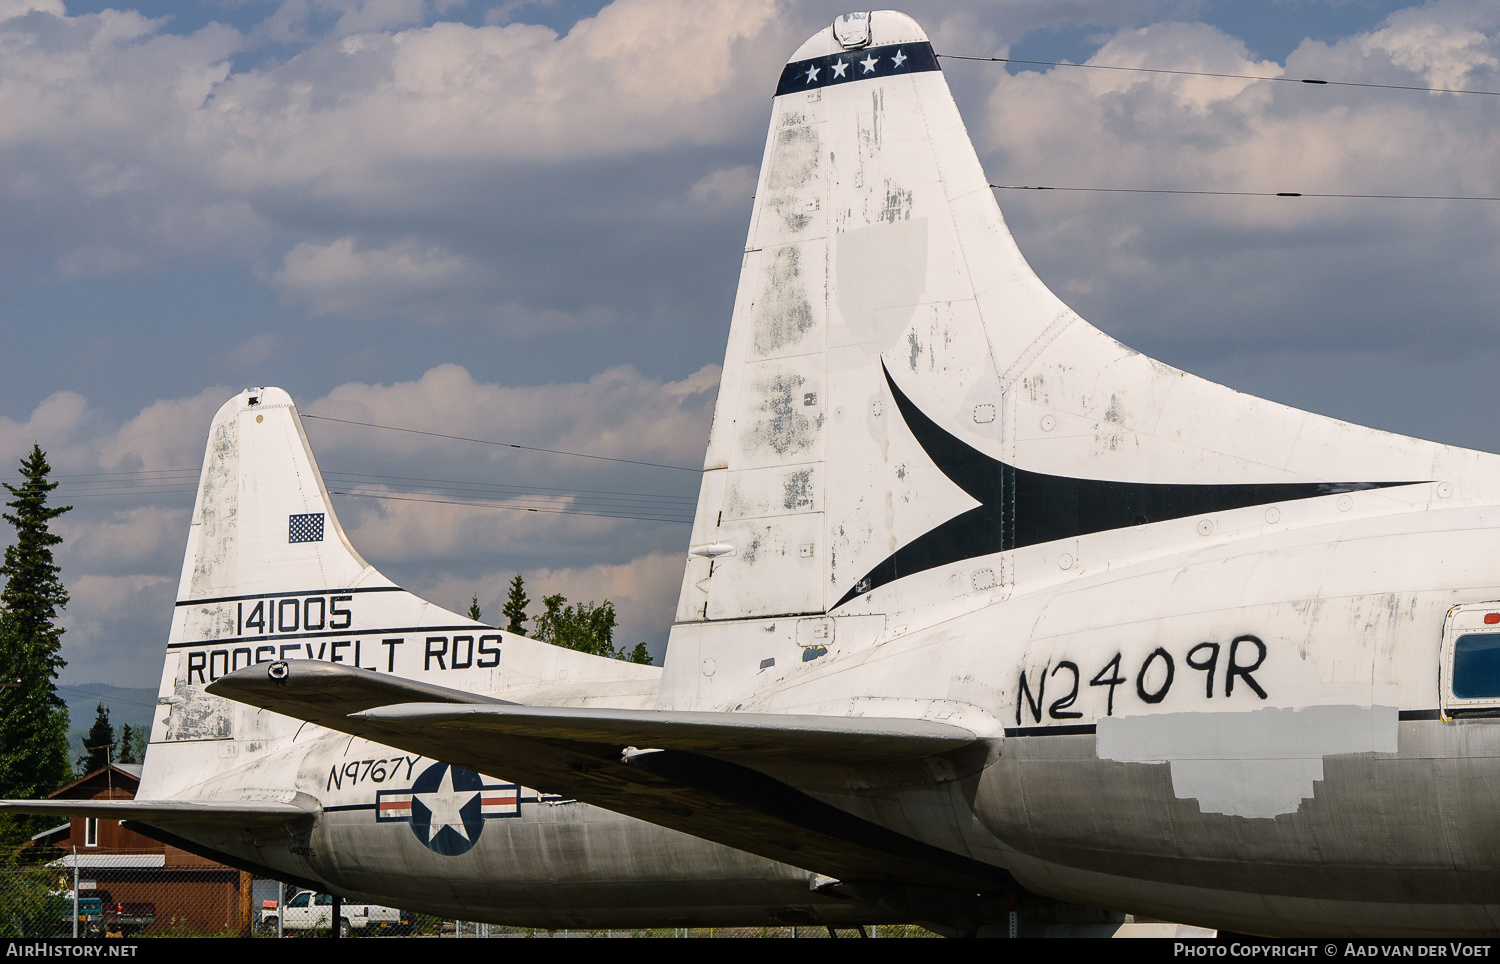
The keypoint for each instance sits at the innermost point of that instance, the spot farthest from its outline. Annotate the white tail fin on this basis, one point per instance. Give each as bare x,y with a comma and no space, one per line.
906,411
269,575
262,523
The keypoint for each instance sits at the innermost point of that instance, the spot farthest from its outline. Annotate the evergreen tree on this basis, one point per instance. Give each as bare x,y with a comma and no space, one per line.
474,613
33,589
34,746
514,609
98,746
127,752
33,719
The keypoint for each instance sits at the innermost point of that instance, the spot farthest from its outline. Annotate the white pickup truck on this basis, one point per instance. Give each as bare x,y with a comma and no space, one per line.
309,911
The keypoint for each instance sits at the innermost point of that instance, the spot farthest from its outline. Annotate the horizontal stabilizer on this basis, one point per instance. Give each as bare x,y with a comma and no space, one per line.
327,693
704,779
243,813
826,739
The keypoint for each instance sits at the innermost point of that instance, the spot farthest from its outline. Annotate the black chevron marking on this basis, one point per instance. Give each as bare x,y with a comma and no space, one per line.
1020,508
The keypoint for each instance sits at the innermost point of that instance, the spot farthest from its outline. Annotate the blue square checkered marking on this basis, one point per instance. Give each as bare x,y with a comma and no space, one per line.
307,527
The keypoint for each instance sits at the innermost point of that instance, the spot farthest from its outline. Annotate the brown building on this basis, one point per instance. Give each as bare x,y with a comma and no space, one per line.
188,894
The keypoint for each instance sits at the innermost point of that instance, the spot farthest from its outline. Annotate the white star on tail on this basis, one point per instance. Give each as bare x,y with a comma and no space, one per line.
812,74
839,68
869,64
445,803
899,59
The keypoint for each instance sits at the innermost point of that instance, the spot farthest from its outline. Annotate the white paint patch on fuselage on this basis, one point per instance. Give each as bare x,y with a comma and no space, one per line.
1258,764
880,277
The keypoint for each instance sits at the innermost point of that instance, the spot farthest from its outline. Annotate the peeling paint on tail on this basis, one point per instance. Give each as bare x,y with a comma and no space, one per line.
876,245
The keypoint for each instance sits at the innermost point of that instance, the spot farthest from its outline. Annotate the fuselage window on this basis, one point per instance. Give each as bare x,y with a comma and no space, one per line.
1476,666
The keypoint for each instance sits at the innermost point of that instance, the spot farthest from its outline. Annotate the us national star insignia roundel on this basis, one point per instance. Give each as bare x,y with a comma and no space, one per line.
447,807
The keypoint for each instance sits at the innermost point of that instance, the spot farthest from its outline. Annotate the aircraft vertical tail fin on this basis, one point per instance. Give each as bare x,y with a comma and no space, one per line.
269,575
907,414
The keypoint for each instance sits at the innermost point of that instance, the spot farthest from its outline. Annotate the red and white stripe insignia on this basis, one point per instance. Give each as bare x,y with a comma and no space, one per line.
500,801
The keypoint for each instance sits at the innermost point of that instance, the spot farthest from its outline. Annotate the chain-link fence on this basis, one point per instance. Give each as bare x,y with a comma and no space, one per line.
173,894
124,894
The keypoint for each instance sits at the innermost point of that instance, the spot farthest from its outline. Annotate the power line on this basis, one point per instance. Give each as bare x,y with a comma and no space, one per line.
82,485
80,690
485,441
159,482
133,490
130,473
1153,190
605,503
520,497
499,487
515,507
1207,73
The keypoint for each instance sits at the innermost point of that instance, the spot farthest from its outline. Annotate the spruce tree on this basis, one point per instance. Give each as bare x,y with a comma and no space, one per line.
98,746
33,719
127,744
474,613
514,609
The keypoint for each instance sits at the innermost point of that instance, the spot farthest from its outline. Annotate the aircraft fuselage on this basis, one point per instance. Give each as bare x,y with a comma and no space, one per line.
1191,736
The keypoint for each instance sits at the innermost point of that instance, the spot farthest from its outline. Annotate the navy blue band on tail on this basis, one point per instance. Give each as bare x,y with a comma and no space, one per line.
871,63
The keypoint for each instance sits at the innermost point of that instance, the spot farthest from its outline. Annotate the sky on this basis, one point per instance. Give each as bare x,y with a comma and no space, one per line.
521,222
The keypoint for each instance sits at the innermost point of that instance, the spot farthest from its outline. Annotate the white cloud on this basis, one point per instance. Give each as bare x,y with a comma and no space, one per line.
1258,273
116,627
55,425
641,74
18,8
337,278
168,434
1444,43
123,146
409,531
125,538
359,16
253,351
359,164
618,413
71,431
725,187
